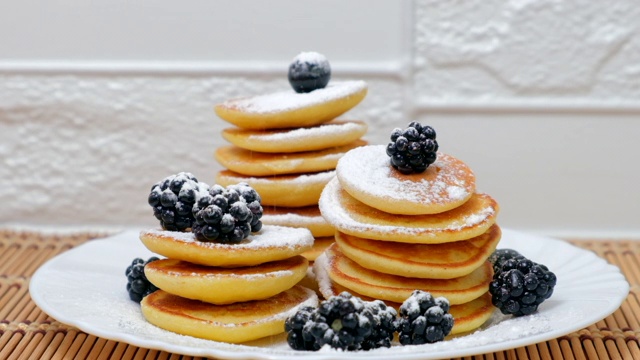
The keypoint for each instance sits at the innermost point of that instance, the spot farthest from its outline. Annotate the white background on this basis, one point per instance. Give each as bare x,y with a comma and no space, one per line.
100,99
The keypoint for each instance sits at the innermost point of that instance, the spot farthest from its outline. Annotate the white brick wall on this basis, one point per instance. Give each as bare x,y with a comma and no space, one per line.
541,98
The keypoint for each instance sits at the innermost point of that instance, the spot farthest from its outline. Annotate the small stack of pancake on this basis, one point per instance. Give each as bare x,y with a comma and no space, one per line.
227,292
286,146
397,233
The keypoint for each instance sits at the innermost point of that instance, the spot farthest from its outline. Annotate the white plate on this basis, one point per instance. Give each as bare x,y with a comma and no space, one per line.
85,287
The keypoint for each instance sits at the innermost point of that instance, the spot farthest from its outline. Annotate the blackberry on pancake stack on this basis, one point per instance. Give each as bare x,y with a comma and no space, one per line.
226,277
286,145
409,218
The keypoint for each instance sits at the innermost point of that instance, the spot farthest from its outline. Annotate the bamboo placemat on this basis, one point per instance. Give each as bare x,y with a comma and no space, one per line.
28,333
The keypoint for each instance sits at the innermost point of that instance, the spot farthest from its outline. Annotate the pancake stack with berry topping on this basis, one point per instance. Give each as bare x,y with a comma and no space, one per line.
286,145
226,276
409,218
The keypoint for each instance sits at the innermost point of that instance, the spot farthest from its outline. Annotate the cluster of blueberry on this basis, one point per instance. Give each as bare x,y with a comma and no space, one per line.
225,215
347,322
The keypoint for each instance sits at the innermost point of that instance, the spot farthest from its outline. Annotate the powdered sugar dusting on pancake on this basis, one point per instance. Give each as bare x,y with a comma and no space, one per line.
270,236
367,169
290,100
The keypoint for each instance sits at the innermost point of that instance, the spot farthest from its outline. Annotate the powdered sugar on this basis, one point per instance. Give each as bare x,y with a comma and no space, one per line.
270,236
481,216
312,57
292,218
290,100
322,276
327,130
312,178
367,170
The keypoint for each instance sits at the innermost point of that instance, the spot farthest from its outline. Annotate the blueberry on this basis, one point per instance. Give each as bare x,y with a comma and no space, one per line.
309,71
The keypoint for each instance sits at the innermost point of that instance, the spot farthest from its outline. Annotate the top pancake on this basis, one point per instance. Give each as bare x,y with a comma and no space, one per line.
367,175
352,217
271,243
290,109
331,134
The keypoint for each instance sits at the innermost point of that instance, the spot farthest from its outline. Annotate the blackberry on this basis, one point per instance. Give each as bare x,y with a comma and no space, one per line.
413,149
309,71
173,198
294,326
520,286
137,284
384,325
227,215
343,322
500,256
424,319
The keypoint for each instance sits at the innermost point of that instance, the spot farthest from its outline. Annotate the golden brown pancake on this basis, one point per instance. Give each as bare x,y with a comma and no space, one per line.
352,217
323,136
271,243
319,246
253,163
367,175
233,323
290,109
467,317
306,217
395,288
226,285
282,190
433,261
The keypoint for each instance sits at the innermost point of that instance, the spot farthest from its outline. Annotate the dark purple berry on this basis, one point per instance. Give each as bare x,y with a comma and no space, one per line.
228,215
519,285
137,284
413,149
172,200
424,319
309,71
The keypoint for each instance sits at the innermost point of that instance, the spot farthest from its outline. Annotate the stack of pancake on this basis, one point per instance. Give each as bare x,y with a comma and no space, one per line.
286,146
396,233
227,292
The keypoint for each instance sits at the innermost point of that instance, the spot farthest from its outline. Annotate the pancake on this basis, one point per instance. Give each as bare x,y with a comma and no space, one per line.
319,246
467,317
395,288
306,217
211,284
233,323
433,261
289,109
352,217
271,243
367,175
252,163
331,134
282,190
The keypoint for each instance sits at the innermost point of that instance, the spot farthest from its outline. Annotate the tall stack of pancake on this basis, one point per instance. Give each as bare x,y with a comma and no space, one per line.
286,146
227,292
396,233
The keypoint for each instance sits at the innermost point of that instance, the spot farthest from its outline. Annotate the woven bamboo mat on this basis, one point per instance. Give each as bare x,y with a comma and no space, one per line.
28,333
